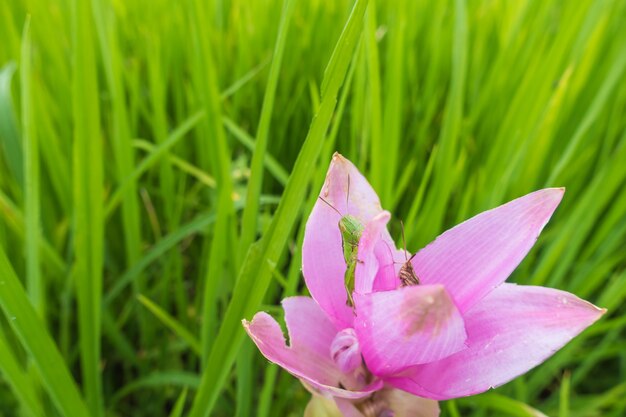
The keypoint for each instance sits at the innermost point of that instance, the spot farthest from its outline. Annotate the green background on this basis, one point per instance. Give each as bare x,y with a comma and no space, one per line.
145,145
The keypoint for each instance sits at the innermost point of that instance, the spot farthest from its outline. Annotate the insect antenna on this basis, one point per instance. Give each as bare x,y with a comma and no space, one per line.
404,242
390,251
403,239
393,261
407,274
330,205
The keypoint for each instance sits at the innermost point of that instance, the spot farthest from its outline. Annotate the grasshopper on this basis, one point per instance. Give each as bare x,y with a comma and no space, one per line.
351,230
407,274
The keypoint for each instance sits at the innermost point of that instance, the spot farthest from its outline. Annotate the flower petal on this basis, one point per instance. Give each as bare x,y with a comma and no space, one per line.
390,402
308,356
390,261
476,256
348,190
510,331
375,269
408,326
347,408
323,265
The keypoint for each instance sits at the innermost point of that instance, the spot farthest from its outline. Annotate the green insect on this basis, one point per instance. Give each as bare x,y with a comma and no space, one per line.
351,230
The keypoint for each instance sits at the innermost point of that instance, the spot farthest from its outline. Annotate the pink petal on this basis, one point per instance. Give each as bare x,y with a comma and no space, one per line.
510,331
323,264
390,261
375,254
346,351
390,402
308,356
347,408
406,327
476,256
362,201
379,260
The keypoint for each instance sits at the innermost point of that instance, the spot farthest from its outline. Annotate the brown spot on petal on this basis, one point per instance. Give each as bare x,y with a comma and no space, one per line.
428,315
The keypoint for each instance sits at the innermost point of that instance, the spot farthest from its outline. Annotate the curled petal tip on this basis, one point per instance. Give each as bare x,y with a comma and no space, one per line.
553,193
559,190
556,189
382,215
595,312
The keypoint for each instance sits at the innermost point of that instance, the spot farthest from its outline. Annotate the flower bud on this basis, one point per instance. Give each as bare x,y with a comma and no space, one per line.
345,351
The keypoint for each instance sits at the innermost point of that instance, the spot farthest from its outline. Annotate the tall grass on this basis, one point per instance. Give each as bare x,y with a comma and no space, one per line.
158,161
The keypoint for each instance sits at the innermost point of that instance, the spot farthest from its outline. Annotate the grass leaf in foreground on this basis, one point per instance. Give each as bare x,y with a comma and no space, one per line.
20,381
255,274
9,136
35,284
171,323
38,343
88,204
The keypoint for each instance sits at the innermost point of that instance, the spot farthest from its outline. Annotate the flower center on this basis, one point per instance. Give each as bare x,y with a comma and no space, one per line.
375,407
346,352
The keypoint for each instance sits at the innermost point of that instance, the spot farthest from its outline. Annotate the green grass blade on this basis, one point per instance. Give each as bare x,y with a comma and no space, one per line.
249,222
197,225
19,380
183,165
375,105
34,282
255,272
250,212
123,150
171,323
16,221
394,91
290,284
447,154
223,239
9,135
608,86
273,166
34,337
246,385
177,410
237,85
160,150
564,395
158,380
88,195
502,404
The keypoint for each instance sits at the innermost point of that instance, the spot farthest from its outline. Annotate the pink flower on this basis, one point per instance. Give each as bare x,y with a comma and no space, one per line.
461,331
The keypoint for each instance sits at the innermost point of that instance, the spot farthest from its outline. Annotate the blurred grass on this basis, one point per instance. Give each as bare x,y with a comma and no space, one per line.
144,147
